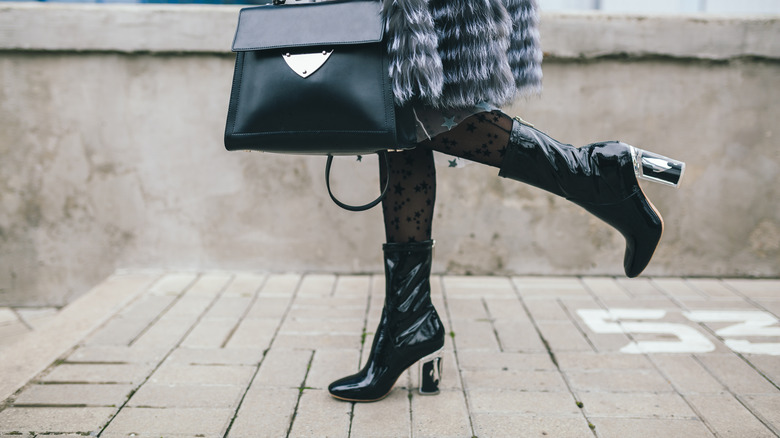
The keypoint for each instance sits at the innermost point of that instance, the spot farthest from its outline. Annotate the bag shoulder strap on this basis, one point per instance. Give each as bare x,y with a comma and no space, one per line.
382,157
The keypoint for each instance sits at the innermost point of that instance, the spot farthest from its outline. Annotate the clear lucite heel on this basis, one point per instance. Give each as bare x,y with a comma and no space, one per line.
430,373
650,166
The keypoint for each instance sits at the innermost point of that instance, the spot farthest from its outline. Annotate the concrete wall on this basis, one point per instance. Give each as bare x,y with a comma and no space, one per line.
111,155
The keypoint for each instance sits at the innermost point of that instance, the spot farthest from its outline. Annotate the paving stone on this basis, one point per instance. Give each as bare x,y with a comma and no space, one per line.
440,416
187,396
317,285
518,380
173,283
189,307
510,426
171,374
769,365
209,285
231,307
619,380
563,336
550,287
119,331
36,317
265,412
210,333
727,416
640,288
121,354
62,420
322,326
7,316
67,394
472,334
147,307
269,307
170,422
547,310
712,288
352,285
649,428
389,418
467,308
283,368
686,374
319,414
602,361
679,288
507,308
215,356
309,342
165,333
301,310
253,333
605,288
557,404
98,373
736,374
12,331
768,406
477,360
244,285
755,288
477,287
516,336
635,405
329,365
280,285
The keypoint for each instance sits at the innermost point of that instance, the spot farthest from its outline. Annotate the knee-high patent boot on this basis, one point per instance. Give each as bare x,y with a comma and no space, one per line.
601,178
409,330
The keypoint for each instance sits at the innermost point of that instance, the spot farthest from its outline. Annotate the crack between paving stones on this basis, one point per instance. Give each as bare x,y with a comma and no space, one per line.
362,342
576,323
246,312
455,353
492,324
265,354
747,406
300,394
546,344
164,311
164,358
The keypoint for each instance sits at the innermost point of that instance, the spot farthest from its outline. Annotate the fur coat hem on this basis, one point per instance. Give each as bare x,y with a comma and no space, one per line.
459,53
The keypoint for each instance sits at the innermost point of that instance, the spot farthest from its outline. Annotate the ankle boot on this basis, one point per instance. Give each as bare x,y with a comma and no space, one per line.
409,330
601,178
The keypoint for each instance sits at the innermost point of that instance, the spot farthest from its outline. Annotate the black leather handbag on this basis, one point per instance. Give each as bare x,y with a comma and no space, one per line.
312,78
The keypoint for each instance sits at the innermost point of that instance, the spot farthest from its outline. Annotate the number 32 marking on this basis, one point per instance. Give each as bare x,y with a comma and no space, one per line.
689,340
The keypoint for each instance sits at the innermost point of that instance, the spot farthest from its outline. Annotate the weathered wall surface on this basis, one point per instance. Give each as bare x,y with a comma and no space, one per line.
111,155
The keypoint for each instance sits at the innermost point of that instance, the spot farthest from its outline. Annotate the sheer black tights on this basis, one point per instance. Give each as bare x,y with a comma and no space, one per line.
408,205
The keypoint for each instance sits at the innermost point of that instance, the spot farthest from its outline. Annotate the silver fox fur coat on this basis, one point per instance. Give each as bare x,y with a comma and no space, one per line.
458,53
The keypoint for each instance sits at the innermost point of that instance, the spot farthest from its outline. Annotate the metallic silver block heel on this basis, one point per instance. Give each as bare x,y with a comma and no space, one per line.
430,373
653,167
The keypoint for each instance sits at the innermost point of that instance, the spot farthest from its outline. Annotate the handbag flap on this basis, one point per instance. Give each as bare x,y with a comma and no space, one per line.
308,24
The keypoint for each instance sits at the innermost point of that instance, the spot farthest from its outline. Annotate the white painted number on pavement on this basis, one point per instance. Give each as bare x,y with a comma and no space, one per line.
688,338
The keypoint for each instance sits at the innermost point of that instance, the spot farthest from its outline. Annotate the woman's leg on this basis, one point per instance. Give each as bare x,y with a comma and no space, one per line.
408,204
600,177
409,329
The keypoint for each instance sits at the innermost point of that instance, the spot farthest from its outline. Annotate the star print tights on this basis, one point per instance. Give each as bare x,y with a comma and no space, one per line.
408,205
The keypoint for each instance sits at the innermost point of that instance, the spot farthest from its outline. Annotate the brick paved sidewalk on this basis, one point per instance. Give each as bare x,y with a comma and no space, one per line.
150,354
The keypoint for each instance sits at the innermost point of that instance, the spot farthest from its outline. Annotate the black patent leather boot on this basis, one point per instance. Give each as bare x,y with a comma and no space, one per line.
409,330
601,178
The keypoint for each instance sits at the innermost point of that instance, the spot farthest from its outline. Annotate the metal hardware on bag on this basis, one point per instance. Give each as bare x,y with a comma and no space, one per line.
304,64
520,119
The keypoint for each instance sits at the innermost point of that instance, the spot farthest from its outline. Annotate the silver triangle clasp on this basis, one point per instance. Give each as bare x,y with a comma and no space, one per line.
304,64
